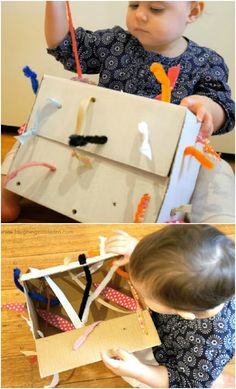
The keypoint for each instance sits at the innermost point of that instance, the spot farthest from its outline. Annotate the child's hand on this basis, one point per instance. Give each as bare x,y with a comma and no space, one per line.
199,106
123,244
124,364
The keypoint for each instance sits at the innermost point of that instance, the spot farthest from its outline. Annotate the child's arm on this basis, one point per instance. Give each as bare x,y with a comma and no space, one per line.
56,23
128,365
208,112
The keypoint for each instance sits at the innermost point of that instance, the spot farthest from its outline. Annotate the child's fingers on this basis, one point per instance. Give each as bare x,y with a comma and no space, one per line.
122,354
121,262
195,107
207,126
110,362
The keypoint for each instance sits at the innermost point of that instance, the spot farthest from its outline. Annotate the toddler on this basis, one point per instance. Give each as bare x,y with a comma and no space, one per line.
185,275
155,34
123,59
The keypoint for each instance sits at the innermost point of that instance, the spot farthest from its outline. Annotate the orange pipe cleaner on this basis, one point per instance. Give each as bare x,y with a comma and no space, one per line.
161,76
204,161
208,148
122,273
74,46
142,206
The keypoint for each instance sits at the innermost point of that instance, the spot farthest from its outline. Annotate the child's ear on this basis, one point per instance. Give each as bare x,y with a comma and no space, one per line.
186,315
196,9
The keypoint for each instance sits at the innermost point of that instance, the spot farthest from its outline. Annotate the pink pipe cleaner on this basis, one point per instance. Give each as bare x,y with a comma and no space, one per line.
78,343
26,166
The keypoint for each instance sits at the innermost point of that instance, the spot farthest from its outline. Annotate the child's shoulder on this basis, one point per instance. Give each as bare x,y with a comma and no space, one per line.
197,49
222,323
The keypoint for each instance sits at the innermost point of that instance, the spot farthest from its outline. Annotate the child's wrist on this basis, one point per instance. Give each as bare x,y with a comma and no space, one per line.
141,372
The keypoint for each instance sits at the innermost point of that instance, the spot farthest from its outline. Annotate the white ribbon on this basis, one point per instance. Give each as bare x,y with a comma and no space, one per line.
23,138
40,117
145,148
65,303
54,382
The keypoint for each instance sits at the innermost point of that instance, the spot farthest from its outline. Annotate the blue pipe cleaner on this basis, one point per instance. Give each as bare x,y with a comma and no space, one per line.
16,275
33,77
35,296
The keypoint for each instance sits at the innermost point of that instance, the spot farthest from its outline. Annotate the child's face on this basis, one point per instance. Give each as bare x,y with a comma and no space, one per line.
157,24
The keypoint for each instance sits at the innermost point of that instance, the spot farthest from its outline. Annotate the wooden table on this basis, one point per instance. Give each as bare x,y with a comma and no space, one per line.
41,246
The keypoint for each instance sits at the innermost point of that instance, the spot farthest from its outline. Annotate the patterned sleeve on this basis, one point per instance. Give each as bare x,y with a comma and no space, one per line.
93,49
214,84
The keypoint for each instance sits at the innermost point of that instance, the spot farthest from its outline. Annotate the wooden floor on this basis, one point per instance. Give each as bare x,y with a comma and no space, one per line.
40,246
35,213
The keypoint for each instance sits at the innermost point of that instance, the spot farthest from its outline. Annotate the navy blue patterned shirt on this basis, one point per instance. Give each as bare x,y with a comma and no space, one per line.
123,64
195,351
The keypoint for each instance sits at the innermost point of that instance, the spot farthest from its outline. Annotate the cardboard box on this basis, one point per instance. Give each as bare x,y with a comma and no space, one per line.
118,329
110,189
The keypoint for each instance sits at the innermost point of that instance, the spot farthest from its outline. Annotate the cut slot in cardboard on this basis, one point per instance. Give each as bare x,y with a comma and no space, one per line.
108,187
119,328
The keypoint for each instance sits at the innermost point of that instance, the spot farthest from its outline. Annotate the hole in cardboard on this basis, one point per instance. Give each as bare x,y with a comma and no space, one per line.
114,203
93,99
74,211
18,183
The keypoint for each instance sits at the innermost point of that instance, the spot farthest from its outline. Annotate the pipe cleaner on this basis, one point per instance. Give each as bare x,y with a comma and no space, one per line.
33,77
33,295
82,140
78,343
173,74
27,165
99,299
204,161
161,76
82,261
207,147
142,206
73,40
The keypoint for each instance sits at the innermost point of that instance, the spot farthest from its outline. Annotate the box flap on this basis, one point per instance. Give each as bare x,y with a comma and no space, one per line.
37,273
116,115
55,353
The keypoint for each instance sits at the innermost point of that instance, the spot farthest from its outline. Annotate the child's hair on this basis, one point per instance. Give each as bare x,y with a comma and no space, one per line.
185,267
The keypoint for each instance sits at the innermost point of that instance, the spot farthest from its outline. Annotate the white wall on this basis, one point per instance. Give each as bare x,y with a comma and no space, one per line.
23,44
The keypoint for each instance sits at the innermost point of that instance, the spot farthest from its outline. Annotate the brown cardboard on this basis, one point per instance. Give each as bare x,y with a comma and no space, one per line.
55,351
110,189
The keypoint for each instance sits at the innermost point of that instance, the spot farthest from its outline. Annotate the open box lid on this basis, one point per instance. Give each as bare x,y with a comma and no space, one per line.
55,353
116,115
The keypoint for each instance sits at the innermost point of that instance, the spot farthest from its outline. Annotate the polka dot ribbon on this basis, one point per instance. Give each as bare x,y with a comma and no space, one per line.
56,320
119,298
17,307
